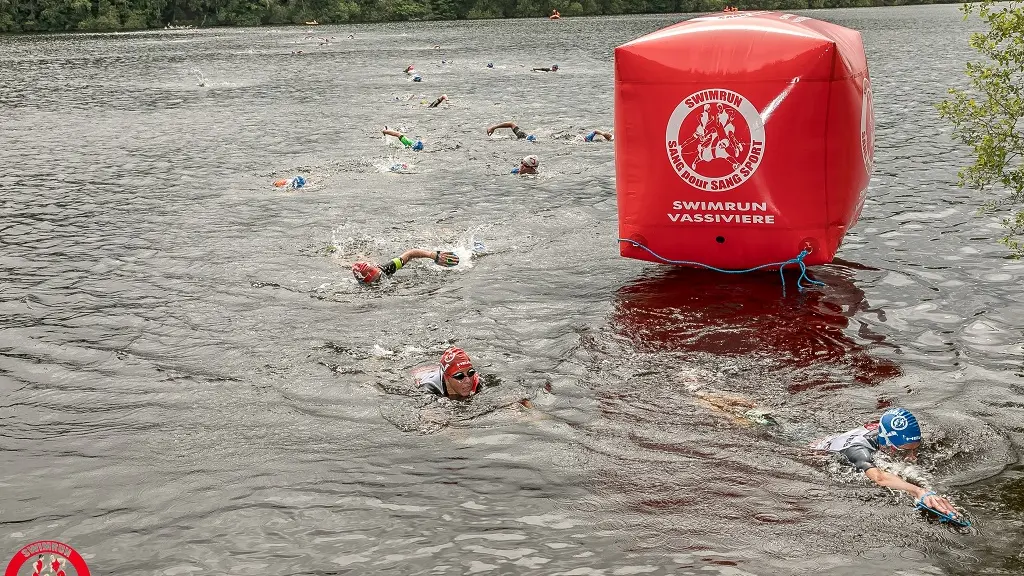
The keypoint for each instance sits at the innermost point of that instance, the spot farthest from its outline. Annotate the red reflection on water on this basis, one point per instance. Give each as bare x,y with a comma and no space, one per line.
744,315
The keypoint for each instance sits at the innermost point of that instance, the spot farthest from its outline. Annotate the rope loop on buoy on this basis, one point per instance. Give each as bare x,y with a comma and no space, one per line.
798,260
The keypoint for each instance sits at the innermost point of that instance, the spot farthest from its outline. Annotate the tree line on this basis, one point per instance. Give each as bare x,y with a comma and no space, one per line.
108,15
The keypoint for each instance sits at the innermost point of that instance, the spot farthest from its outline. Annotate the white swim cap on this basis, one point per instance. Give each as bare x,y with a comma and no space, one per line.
532,161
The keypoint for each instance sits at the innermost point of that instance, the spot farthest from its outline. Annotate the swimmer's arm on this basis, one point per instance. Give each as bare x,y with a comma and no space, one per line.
387,132
416,253
605,135
894,482
440,257
511,125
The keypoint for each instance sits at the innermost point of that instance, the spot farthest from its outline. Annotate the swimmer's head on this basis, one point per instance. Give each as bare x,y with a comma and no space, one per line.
418,146
531,138
366,272
417,78
898,428
490,65
554,67
528,165
460,378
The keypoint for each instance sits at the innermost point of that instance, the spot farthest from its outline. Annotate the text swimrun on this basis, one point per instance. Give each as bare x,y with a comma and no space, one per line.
705,212
730,206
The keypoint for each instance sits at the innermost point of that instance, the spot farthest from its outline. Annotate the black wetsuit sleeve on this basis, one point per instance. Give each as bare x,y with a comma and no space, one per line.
861,457
388,267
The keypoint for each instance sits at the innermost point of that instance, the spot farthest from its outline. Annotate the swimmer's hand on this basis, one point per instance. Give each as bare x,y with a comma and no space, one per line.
937,503
447,259
490,131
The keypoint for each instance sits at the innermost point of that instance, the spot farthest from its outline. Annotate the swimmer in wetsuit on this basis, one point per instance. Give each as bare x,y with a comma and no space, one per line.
528,165
417,146
590,137
454,377
554,68
897,431
440,99
368,272
519,132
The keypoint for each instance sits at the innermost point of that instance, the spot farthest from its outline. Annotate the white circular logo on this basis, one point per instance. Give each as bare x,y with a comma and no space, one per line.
715,139
867,126
899,423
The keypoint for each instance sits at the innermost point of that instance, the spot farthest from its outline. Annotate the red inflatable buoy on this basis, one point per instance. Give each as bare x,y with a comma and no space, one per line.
741,139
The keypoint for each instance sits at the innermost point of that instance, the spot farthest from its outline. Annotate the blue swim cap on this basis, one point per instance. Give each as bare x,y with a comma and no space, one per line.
417,78
418,145
898,427
531,138
490,65
298,182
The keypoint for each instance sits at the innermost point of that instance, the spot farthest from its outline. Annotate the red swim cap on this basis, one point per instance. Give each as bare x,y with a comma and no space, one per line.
454,360
365,272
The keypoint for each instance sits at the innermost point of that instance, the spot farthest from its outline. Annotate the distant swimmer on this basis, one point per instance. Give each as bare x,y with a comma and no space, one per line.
417,146
528,165
554,68
519,132
293,183
440,99
453,377
368,272
410,70
590,137
897,431
351,36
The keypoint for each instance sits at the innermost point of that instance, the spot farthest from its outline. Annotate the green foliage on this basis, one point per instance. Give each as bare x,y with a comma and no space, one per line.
987,115
103,15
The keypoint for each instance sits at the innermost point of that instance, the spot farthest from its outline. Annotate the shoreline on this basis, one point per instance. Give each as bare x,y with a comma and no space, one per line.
116,19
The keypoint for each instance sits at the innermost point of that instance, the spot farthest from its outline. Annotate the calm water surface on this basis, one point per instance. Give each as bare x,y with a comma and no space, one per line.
192,382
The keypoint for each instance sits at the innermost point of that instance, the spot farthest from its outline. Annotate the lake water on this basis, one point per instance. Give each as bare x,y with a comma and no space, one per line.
192,382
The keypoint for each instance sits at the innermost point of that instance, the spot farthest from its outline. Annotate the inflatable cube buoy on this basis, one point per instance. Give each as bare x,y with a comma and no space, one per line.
741,139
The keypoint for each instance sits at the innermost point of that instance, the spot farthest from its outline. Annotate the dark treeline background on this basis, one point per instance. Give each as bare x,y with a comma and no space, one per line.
99,15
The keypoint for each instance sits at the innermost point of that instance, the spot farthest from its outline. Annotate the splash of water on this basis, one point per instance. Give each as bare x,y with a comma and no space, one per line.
199,77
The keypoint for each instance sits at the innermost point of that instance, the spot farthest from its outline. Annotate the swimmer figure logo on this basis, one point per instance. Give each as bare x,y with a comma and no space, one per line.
899,423
47,558
715,140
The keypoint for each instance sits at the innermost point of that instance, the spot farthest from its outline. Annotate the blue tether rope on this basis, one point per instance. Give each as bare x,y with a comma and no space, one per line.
798,260
943,516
